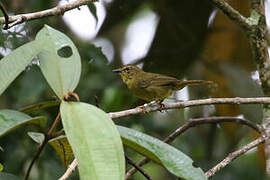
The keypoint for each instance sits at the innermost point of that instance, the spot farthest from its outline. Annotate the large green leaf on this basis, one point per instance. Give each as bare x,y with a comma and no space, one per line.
95,141
173,159
60,61
11,119
14,63
39,106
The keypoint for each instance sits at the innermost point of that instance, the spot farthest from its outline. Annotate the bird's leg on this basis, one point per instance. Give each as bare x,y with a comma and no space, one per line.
152,103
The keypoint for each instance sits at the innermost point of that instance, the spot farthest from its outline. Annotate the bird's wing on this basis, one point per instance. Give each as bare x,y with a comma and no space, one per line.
157,80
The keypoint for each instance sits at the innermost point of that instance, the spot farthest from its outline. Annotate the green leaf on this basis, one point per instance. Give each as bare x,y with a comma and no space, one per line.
7,176
39,106
14,63
37,137
95,141
61,71
174,160
11,119
63,148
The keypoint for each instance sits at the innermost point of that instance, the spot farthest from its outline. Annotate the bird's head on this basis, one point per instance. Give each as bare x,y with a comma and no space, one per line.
128,72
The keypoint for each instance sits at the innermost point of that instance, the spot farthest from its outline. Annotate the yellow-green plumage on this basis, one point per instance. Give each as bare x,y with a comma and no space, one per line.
151,86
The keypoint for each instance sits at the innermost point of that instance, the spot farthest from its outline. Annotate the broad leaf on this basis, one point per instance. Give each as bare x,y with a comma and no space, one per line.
62,147
173,159
14,63
59,61
95,141
39,106
11,119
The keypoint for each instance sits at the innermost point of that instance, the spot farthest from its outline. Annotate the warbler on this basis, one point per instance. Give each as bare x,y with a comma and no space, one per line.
151,86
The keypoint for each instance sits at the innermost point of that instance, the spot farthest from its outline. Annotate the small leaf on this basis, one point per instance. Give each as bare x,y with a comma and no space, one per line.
11,119
63,148
95,141
14,63
37,137
7,176
174,160
39,106
62,73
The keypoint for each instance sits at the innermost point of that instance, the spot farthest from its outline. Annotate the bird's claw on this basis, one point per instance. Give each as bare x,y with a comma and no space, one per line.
143,108
161,106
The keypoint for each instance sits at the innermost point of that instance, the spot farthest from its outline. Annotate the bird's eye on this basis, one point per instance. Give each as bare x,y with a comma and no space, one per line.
127,69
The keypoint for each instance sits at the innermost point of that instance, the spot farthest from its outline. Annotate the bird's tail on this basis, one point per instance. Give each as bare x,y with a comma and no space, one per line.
182,84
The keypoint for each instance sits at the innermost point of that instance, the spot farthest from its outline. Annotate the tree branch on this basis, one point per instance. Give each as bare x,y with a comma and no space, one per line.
69,170
184,104
234,155
233,14
58,10
131,162
194,122
36,156
48,136
211,120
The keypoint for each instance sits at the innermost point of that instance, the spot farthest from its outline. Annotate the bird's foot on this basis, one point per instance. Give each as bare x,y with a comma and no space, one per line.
143,108
161,106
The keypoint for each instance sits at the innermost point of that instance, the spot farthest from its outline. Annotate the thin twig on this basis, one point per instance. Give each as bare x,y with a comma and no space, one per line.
69,170
54,125
184,104
234,155
58,10
211,120
131,162
42,146
195,122
232,14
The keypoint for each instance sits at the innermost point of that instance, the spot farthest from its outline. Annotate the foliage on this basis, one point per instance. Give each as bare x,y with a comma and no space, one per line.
184,44
93,136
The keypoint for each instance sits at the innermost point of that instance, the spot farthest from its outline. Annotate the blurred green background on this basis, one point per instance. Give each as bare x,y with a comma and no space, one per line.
188,39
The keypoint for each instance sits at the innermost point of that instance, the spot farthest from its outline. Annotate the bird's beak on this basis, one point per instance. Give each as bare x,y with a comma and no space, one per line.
117,70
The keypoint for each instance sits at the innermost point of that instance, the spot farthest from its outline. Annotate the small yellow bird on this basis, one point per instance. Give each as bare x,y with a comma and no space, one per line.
151,86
